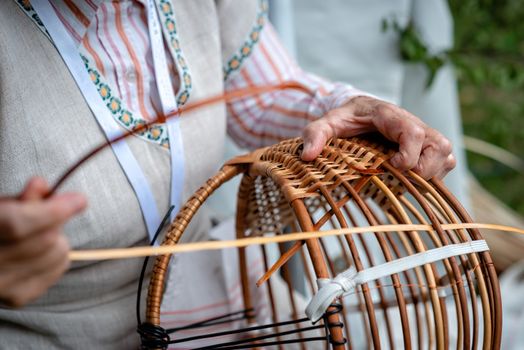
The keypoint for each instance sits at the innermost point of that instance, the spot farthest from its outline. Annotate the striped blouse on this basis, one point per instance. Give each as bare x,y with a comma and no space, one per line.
113,39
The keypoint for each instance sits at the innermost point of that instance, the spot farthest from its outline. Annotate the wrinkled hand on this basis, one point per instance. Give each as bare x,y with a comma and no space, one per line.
33,249
421,148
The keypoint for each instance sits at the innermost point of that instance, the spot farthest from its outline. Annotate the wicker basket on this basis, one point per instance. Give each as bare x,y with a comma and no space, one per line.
454,302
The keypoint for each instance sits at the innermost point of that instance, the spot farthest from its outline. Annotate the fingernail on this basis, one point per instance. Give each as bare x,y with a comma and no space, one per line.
305,155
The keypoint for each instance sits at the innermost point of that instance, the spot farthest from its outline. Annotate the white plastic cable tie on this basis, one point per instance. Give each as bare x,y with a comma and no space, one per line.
349,279
329,290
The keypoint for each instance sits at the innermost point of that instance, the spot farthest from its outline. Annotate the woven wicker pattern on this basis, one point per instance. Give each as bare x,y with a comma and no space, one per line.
453,303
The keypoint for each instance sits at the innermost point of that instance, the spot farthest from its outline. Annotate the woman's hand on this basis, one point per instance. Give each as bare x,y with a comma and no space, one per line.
33,249
421,148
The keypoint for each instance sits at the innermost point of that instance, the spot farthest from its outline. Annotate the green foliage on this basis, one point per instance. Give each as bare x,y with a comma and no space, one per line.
414,50
489,60
489,56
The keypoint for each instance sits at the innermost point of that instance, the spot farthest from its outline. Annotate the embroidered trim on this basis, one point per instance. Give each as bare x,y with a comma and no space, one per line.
165,8
156,133
25,5
245,50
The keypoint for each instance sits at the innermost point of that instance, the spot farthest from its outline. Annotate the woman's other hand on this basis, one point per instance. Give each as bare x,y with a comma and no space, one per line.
421,148
33,248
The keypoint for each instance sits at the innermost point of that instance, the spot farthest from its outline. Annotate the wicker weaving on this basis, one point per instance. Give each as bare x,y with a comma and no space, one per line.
449,302
114,113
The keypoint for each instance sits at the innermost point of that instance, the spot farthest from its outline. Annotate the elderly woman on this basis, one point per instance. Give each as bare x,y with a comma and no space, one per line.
74,72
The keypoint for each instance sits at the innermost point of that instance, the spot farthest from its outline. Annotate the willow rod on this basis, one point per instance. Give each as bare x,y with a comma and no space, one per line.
135,252
225,97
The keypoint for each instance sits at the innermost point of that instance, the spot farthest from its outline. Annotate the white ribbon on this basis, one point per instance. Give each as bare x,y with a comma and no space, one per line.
349,279
69,52
169,104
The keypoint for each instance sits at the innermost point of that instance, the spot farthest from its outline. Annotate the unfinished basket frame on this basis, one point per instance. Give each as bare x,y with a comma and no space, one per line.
352,179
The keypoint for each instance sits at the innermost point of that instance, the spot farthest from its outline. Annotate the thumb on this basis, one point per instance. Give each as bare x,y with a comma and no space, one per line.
315,136
36,188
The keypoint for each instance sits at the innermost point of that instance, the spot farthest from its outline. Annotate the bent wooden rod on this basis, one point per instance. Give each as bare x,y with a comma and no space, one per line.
135,252
225,97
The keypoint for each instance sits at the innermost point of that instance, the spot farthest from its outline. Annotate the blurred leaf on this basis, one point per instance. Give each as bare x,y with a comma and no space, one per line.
414,50
385,25
489,62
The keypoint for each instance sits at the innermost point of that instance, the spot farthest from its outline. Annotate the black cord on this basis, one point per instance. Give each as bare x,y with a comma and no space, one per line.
261,345
241,330
152,337
231,344
156,337
146,260
334,308
213,321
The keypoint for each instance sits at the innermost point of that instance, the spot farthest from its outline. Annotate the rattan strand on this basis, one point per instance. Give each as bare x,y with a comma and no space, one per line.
351,184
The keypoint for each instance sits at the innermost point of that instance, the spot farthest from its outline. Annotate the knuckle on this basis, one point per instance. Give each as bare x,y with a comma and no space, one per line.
417,132
404,161
398,158
451,163
409,161
384,109
445,145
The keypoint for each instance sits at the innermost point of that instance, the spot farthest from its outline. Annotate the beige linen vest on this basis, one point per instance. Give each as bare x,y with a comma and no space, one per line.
45,126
